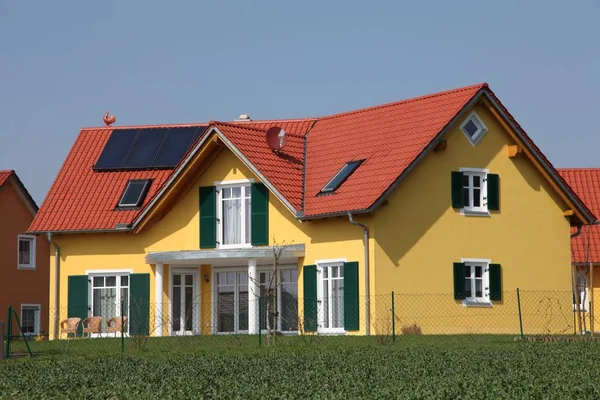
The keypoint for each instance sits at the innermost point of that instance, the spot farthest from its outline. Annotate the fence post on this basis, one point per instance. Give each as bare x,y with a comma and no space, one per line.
259,317
1,340
393,320
8,332
520,315
122,328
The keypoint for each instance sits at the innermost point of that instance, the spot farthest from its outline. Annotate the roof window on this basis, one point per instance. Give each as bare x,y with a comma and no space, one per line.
473,128
341,176
134,193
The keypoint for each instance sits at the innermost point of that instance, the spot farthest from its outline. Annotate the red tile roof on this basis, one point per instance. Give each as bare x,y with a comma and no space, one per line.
586,183
389,137
4,175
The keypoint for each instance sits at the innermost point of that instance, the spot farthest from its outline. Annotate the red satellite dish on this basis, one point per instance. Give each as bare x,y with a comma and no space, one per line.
276,138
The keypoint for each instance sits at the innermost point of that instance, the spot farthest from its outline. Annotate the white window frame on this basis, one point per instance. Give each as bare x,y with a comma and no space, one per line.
585,301
481,128
196,296
246,184
118,273
259,269
279,298
31,239
321,264
482,210
37,319
485,300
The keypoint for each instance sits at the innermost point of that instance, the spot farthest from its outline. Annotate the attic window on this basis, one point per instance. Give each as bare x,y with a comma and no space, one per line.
473,128
134,193
341,176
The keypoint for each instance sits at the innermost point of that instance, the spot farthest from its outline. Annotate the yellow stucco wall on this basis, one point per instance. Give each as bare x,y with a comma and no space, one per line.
419,236
415,238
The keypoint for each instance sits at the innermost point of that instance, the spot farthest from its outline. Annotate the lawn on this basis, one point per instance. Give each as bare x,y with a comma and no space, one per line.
410,368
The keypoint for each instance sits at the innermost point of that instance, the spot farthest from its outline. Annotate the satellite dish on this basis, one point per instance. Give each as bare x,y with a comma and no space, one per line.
276,138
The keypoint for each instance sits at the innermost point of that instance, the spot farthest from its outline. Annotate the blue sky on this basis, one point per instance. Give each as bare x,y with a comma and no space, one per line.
63,64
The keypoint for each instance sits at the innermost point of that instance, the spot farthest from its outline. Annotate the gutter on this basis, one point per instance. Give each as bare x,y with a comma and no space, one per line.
56,283
366,249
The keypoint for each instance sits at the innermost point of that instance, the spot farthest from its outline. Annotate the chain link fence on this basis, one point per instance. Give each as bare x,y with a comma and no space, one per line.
234,320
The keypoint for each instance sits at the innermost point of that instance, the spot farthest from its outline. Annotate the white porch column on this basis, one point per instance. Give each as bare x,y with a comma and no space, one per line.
158,299
253,297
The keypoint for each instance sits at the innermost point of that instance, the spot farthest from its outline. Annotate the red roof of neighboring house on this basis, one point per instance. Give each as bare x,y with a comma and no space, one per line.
391,138
586,183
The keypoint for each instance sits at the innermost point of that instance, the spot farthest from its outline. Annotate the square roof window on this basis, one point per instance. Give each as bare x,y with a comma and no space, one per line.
341,176
473,128
134,193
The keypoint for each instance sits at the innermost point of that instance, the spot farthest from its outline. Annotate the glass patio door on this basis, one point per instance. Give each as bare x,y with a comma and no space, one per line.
331,298
184,304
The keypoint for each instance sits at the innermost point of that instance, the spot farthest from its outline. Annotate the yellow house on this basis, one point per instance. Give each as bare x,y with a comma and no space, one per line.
177,227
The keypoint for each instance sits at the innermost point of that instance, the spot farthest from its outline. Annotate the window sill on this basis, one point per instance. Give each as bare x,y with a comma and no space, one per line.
474,213
334,332
235,246
477,304
26,267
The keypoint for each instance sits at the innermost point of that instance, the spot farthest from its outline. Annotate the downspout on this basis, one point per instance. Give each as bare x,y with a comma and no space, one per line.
56,283
367,299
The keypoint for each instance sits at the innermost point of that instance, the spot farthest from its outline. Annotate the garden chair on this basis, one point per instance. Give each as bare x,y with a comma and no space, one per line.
114,324
70,325
91,325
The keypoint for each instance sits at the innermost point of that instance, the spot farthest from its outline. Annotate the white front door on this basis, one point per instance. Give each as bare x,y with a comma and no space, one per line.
330,292
185,307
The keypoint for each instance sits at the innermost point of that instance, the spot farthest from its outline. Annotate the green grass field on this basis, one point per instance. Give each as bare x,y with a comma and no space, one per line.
475,367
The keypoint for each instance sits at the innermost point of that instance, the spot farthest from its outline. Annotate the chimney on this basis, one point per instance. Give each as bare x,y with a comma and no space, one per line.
243,118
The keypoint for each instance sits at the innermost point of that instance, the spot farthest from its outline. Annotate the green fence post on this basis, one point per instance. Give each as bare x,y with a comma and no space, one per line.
8,332
259,320
393,320
122,329
520,314
22,334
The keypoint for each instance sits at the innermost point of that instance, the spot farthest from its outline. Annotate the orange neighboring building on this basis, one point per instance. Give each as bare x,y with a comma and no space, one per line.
24,260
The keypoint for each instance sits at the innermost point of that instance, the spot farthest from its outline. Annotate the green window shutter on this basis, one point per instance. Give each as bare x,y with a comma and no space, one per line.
459,281
495,282
77,298
493,192
351,300
208,217
310,298
259,224
139,304
457,190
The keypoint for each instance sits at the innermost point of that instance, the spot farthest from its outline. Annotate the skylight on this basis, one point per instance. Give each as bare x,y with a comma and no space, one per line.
341,176
134,193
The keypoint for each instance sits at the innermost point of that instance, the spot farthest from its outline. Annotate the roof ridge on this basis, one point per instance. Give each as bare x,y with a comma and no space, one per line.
409,100
579,169
88,128
241,125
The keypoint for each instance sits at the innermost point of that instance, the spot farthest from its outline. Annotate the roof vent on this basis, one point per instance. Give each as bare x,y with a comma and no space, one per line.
243,118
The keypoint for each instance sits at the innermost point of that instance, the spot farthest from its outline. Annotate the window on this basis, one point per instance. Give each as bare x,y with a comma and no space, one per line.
134,193
473,128
30,319
232,302
107,293
26,252
234,215
476,282
474,191
341,176
184,303
284,297
582,289
331,297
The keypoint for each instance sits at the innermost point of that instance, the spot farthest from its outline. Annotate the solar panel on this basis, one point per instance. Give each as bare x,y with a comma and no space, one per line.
341,176
176,145
134,193
116,149
145,148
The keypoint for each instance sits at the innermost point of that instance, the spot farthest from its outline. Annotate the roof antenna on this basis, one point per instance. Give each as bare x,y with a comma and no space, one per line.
276,138
109,119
